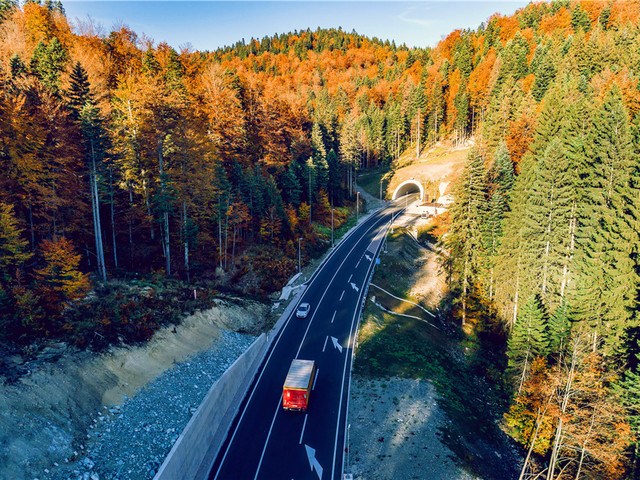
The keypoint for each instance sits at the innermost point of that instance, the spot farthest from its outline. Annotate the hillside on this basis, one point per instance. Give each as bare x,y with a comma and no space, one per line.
135,175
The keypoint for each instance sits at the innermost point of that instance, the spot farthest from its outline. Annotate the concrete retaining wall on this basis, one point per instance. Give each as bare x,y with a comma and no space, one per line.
196,448
194,452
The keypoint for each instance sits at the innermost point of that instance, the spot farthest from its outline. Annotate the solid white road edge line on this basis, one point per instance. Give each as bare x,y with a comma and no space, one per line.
266,443
356,314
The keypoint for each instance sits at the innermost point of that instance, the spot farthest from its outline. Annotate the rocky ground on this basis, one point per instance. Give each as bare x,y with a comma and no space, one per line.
77,408
132,440
395,432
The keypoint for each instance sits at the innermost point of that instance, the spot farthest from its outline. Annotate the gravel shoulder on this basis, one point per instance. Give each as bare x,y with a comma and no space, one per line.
394,432
75,414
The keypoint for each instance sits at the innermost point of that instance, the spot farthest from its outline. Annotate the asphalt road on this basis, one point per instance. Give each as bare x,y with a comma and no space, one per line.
267,442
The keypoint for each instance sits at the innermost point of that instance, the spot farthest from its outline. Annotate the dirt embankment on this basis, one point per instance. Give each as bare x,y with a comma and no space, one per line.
45,414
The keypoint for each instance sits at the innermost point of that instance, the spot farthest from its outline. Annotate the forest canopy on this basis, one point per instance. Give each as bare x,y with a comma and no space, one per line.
124,157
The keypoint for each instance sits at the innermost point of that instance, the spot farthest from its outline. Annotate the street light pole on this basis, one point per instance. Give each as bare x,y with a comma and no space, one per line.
357,206
332,227
299,265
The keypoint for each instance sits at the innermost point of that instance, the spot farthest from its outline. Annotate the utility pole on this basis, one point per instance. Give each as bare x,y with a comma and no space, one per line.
299,264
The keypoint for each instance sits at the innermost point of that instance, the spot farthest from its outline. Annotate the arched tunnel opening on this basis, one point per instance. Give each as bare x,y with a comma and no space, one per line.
408,187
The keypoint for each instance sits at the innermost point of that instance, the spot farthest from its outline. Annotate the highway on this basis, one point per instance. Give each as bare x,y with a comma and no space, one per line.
267,442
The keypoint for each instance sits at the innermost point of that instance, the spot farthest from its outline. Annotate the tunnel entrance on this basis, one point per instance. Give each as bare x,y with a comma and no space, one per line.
407,187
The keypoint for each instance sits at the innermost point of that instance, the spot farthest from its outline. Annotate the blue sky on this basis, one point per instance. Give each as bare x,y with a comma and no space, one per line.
207,25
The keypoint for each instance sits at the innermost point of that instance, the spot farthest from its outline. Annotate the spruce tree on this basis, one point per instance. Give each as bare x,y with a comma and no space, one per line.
465,235
511,277
559,329
546,221
608,280
528,338
79,90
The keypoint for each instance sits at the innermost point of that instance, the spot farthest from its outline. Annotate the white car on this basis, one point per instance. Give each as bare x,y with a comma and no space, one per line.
303,310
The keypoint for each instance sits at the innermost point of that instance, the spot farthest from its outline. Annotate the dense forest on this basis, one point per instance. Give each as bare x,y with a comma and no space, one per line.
543,247
122,157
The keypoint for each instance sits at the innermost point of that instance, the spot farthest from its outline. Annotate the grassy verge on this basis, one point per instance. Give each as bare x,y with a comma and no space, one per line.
464,370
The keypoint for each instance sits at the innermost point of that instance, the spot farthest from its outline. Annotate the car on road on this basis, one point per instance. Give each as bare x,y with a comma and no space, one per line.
303,310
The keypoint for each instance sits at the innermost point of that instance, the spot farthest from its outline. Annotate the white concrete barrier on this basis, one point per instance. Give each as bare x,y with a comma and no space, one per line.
195,450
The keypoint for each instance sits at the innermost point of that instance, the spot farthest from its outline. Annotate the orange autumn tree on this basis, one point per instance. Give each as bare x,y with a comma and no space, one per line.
60,280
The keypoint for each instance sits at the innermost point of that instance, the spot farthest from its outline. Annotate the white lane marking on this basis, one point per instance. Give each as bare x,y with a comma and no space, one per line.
358,264
356,314
336,344
354,287
342,295
304,424
325,343
313,461
367,257
270,428
350,277
273,349
313,387
334,316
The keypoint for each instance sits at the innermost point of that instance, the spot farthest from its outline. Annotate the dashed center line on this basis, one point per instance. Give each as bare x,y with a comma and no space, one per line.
334,317
304,424
350,277
315,379
342,295
325,343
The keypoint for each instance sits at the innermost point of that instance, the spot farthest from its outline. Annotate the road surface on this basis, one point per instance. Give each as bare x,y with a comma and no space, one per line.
267,442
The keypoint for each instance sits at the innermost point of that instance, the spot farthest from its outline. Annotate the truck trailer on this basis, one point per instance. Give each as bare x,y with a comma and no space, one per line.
298,385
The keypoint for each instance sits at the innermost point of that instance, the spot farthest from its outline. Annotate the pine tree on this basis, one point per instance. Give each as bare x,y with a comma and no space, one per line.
559,329
465,235
513,280
607,285
546,224
528,338
48,61
79,89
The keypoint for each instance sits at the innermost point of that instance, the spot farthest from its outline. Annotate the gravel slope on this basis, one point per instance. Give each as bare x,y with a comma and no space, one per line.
131,441
394,432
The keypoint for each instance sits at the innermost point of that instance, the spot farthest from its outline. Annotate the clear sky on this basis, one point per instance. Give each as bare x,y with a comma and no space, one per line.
207,25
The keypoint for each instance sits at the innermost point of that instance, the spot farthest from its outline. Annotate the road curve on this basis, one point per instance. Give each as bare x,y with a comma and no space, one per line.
267,442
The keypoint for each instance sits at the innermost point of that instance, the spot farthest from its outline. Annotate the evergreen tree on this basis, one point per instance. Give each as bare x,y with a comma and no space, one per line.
528,338
559,329
608,280
291,186
511,276
48,61
79,89
465,239
546,223
17,66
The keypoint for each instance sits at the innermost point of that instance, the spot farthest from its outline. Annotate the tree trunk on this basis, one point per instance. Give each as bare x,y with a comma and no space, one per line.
226,234
166,244
464,292
95,207
130,224
584,445
539,418
563,407
113,223
186,240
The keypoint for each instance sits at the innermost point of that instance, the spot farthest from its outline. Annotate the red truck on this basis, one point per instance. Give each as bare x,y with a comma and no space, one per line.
298,385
